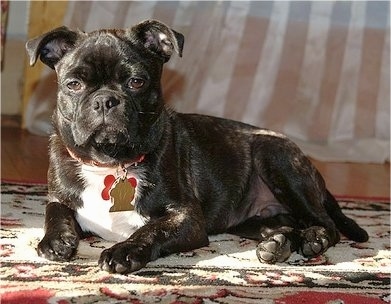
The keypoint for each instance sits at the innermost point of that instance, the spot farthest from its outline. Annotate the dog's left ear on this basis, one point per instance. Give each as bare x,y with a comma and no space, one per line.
158,38
52,46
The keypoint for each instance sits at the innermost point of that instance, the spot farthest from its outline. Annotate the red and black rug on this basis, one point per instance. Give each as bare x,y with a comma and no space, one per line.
227,271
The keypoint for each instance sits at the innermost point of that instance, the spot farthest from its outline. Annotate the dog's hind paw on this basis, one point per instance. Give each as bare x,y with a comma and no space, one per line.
275,249
315,241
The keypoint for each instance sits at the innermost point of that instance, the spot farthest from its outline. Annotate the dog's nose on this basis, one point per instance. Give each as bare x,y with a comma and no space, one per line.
111,103
106,103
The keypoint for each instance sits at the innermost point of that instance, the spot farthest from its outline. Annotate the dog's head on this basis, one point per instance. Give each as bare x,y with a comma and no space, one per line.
109,101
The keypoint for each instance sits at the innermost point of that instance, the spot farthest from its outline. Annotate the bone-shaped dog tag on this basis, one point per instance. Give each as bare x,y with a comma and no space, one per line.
122,194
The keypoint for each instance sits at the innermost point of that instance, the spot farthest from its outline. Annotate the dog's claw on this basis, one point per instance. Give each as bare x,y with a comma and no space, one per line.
119,259
113,267
58,247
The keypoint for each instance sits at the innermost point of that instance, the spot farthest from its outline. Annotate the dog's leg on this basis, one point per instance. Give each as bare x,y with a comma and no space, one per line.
297,185
316,231
62,233
175,232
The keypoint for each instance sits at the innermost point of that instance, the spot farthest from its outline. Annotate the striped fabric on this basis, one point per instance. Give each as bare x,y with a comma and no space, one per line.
317,71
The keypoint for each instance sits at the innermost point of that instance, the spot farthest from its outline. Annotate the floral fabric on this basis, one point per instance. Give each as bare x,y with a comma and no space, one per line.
227,271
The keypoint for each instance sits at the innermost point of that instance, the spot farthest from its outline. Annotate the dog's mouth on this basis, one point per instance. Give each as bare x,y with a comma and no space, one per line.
106,145
112,143
113,150
108,149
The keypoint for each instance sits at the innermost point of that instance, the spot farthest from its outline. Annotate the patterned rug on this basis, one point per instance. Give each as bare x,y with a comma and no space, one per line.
227,271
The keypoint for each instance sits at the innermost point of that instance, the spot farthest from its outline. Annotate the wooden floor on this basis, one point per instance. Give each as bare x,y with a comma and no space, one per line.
24,158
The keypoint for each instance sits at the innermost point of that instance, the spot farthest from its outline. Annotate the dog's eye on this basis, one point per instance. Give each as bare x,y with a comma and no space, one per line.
136,83
74,85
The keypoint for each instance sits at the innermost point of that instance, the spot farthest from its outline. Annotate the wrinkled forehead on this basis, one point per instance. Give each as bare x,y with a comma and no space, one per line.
102,48
102,53
103,38
106,44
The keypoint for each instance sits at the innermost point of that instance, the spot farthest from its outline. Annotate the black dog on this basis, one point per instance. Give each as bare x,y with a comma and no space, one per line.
125,167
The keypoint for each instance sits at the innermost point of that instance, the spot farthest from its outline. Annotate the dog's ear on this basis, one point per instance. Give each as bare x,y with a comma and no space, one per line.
158,38
52,46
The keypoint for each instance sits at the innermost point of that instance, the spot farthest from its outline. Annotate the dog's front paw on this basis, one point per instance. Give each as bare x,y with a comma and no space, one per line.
275,249
123,258
315,241
58,245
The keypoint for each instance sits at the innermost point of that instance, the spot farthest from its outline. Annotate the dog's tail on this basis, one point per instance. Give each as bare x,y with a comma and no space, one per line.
345,225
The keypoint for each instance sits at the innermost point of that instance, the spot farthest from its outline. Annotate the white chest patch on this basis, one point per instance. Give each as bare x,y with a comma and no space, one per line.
95,217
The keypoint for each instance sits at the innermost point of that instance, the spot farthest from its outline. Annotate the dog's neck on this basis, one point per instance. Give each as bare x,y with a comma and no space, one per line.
92,163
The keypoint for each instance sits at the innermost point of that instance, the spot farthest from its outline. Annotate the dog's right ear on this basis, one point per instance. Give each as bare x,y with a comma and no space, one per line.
158,38
52,46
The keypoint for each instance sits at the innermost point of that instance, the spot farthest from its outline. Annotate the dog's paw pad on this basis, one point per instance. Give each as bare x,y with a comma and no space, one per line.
266,257
315,241
273,250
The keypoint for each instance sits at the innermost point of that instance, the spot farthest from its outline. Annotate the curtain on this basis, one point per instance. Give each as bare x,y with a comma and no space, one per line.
4,18
317,71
